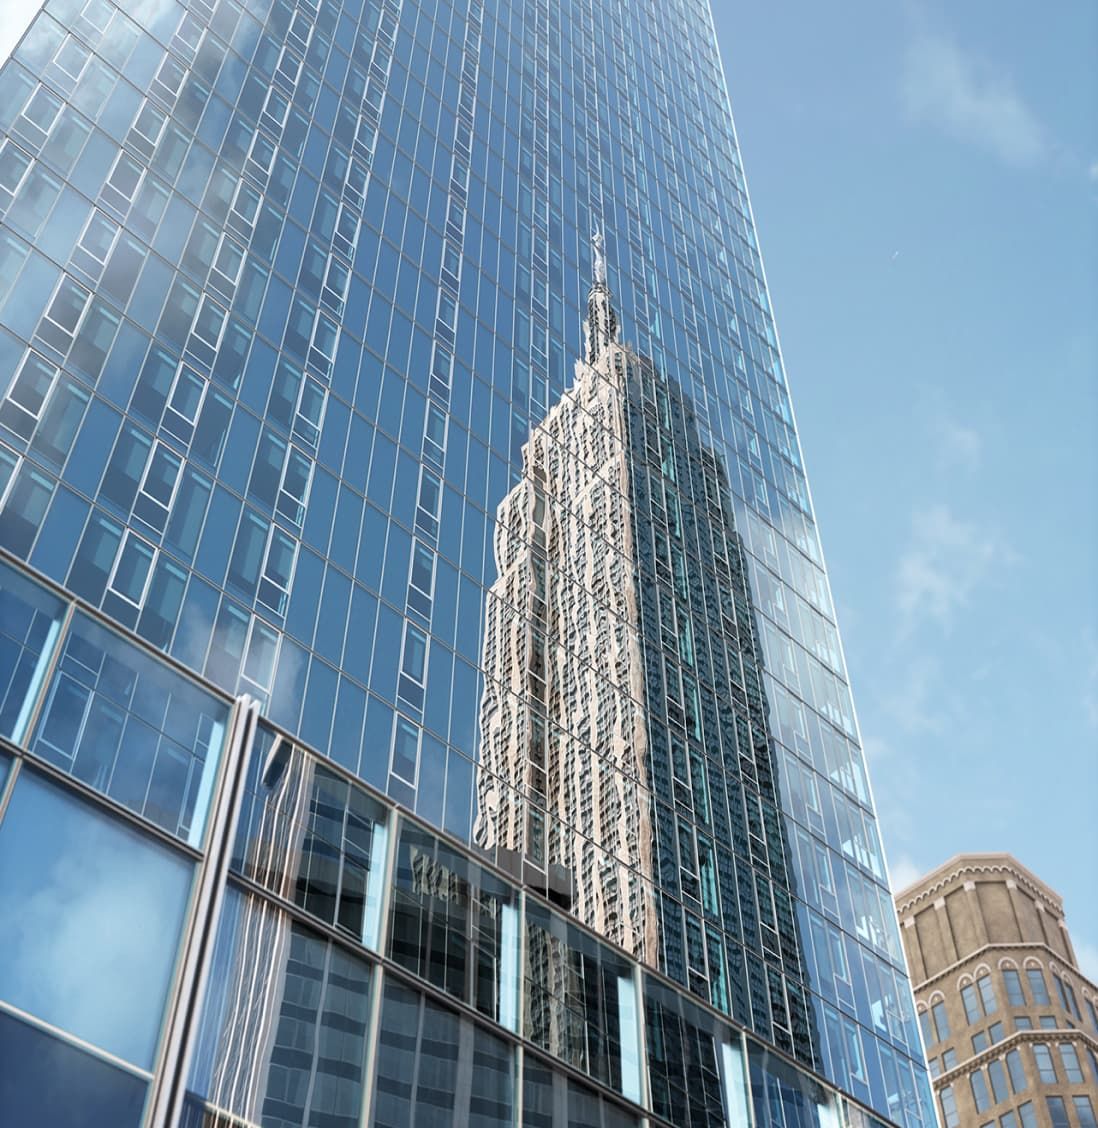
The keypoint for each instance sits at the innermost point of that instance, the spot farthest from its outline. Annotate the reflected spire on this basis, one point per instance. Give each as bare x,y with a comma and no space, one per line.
601,327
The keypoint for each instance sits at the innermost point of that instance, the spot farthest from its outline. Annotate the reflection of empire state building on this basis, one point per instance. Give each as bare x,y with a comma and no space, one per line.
562,720
626,761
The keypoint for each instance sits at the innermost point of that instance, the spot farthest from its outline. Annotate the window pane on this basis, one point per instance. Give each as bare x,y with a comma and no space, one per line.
30,619
455,925
90,919
434,1067
32,1066
133,728
283,1032
333,869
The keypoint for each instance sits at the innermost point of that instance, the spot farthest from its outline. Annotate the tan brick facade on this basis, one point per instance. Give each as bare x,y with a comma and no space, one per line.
1009,1021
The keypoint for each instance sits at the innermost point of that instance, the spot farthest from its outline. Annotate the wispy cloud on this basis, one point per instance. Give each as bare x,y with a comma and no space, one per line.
958,446
946,560
970,99
904,871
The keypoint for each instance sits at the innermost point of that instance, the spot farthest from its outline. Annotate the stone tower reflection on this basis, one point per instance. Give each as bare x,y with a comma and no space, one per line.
627,769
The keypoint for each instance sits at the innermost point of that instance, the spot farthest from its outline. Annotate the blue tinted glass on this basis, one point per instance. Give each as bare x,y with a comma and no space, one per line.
44,1081
90,919
30,618
434,1067
131,727
301,1064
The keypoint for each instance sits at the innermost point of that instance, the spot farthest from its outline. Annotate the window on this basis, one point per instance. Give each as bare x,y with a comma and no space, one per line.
278,570
147,129
980,1042
430,496
949,1060
987,994
971,1000
1008,1120
1048,1022
1070,1061
154,499
413,666
995,1032
1037,986
132,570
1013,983
59,324
122,184
1045,1067
405,751
39,114
13,166
979,1090
227,265
60,420
72,860
184,403
1023,1022
1027,1116
1084,1111
294,491
94,247
1016,1070
997,1075
421,580
949,1107
1057,1112
22,406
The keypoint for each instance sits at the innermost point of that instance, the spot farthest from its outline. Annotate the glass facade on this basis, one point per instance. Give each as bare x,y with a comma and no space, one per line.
318,395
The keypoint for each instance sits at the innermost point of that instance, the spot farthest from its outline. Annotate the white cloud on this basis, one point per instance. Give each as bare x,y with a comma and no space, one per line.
904,871
969,99
945,562
958,446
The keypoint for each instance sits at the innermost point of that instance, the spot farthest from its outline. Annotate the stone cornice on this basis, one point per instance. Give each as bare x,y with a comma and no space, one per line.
930,886
980,955
977,1061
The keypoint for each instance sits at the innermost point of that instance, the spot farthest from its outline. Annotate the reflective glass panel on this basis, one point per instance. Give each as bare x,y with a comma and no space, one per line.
436,1069
577,994
695,1067
455,924
30,620
45,1081
783,1097
90,918
131,727
552,1100
311,837
283,1030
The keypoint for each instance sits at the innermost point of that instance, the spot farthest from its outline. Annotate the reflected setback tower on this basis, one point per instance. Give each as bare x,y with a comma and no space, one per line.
291,293
612,777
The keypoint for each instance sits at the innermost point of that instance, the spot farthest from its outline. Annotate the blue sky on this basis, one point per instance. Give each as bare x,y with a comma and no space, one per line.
924,177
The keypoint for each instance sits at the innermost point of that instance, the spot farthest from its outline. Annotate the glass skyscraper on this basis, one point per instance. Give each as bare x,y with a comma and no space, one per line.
420,697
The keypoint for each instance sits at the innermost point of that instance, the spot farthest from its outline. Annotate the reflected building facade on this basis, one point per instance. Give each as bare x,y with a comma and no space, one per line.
475,721
627,768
